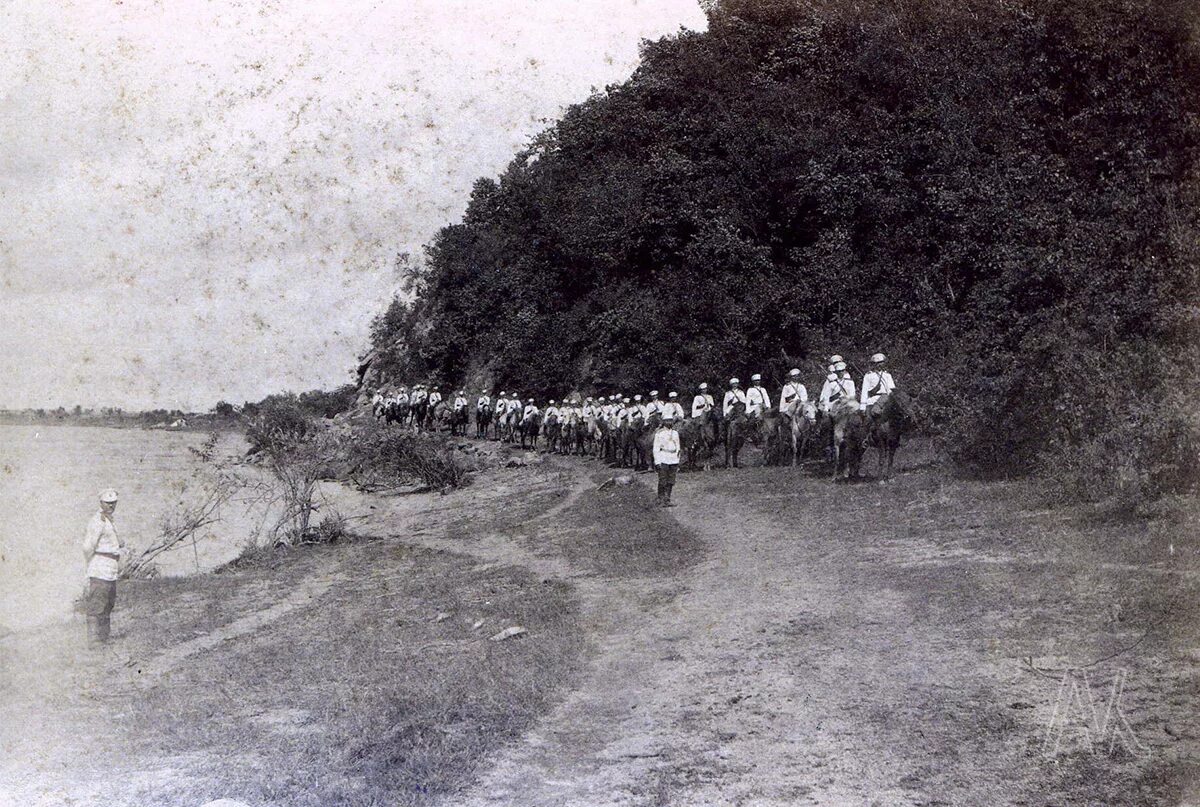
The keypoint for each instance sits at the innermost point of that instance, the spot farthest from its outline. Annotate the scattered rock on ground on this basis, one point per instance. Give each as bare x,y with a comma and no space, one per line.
508,633
441,617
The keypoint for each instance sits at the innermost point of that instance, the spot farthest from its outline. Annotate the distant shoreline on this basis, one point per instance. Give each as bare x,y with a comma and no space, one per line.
198,423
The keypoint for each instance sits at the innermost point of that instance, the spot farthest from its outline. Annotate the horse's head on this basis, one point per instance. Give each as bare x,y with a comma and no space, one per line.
808,410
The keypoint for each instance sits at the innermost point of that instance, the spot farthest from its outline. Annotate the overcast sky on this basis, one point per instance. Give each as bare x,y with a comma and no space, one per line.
202,200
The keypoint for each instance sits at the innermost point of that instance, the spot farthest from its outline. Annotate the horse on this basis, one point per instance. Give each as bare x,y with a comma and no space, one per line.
801,425
529,428
699,435
458,421
552,431
891,417
734,428
395,412
508,425
850,433
483,418
583,435
643,443
769,430
419,411
610,448
633,449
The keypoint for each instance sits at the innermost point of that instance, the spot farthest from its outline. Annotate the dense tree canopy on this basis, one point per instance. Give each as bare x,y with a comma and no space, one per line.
1000,194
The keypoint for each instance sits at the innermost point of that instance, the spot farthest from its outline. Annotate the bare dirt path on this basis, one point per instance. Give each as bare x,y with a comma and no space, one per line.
838,645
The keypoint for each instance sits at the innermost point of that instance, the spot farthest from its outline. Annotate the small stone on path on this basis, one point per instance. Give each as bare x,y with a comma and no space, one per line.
508,633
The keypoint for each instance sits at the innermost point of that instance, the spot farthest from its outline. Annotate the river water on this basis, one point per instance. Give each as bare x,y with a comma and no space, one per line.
50,479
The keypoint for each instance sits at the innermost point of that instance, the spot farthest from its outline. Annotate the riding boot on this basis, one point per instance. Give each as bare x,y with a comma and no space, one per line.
103,628
93,631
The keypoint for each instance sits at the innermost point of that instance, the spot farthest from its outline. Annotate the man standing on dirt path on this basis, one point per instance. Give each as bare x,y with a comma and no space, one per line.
102,547
666,458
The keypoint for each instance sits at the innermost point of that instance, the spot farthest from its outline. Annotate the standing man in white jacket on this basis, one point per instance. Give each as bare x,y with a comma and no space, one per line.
103,548
666,458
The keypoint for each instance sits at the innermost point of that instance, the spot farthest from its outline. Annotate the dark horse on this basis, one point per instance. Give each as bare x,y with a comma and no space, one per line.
850,433
552,431
698,437
483,417
395,412
529,428
735,427
891,418
458,421
419,411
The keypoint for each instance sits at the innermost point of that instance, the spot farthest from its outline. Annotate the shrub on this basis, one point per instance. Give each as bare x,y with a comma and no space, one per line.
389,458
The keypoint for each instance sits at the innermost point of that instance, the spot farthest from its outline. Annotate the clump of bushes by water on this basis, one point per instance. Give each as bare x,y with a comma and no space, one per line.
389,458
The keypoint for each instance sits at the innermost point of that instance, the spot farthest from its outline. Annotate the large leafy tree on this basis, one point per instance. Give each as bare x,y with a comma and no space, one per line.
1000,194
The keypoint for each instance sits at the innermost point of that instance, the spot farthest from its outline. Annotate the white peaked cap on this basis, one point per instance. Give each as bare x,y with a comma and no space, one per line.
756,377
108,495
794,371
835,358
877,358
841,365
653,392
703,385
637,397
734,381
673,395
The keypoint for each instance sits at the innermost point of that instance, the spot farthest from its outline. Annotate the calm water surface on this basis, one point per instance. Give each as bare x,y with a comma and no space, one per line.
50,478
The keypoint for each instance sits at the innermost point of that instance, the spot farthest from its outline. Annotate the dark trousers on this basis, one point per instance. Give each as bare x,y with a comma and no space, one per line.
666,481
101,597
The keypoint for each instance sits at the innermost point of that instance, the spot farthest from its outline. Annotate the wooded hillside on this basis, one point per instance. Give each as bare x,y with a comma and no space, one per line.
1000,194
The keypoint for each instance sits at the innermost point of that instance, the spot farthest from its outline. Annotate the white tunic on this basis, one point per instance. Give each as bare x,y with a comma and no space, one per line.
834,391
793,391
666,447
731,397
757,400
701,403
876,384
102,547
672,408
